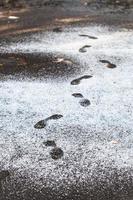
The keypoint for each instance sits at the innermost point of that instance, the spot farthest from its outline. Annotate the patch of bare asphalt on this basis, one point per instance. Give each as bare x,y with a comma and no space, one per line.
35,65
40,19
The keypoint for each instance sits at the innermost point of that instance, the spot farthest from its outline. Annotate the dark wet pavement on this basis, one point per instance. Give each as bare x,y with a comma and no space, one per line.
42,18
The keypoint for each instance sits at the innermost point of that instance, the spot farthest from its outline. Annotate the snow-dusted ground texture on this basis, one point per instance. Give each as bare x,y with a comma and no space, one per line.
97,140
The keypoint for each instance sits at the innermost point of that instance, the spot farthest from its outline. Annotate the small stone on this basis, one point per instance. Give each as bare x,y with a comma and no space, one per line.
50,143
84,102
56,153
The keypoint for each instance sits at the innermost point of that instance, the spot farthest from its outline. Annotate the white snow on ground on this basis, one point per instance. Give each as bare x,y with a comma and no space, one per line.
84,134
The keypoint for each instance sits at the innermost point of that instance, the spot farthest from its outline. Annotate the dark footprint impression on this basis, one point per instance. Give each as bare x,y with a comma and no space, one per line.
50,143
78,80
88,36
41,124
109,64
84,48
85,102
77,95
56,153
54,117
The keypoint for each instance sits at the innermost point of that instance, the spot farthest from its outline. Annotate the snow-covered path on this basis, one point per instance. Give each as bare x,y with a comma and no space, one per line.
93,137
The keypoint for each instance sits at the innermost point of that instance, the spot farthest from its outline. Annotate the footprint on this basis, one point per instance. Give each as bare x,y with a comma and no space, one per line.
89,36
77,81
54,117
109,64
84,102
56,153
77,95
41,124
50,143
104,61
83,49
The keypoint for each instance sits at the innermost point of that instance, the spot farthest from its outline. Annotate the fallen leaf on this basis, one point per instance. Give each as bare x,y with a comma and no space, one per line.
60,60
13,17
114,142
69,20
